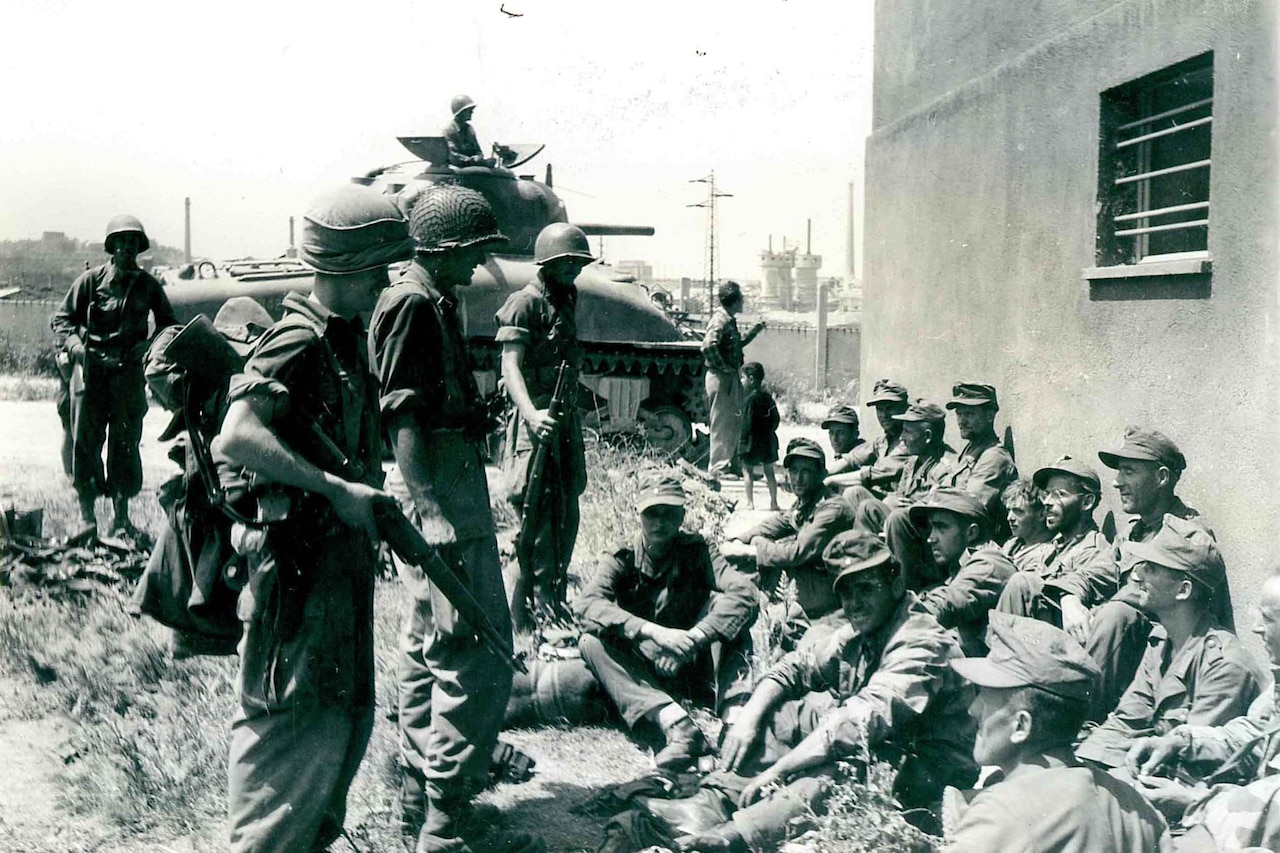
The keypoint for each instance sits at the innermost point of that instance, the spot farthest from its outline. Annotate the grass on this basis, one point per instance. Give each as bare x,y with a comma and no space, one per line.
799,402
152,732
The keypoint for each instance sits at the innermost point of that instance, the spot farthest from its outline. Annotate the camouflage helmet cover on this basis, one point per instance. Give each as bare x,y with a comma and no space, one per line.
448,216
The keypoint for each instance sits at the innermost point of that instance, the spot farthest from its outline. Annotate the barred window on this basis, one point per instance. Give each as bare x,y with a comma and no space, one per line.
1153,176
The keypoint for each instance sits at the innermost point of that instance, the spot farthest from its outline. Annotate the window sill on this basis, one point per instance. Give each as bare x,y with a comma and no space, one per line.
1150,269
1181,278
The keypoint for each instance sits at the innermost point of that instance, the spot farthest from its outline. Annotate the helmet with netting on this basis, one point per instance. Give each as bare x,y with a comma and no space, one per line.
448,216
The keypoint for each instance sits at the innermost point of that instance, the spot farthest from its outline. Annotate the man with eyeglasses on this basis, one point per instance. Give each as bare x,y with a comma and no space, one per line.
1079,571
1194,671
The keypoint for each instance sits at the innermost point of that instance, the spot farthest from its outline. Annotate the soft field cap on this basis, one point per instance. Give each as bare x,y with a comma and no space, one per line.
1029,653
660,491
1145,444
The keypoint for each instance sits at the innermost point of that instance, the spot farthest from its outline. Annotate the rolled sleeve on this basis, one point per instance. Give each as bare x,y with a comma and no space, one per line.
401,334
516,319
280,354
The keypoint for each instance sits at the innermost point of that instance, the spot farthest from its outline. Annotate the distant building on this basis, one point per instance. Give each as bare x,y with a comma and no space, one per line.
641,270
1077,202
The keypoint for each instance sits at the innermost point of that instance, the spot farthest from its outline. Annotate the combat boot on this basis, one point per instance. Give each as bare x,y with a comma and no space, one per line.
120,523
685,744
471,828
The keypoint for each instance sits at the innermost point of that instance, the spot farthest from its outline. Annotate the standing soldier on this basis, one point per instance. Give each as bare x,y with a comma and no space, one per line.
102,326
452,691
538,332
306,397
722,348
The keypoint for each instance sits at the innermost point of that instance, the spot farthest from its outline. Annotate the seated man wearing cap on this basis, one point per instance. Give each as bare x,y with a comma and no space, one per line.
1236,804
928,466
881,682
1194,671
984,467
792,541
1033,695
1079,571
667,616
973,568
306,697
852,452
877,467
1148,466
1029,537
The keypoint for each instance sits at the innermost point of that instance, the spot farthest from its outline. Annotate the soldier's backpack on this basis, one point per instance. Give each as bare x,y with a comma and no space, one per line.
193,579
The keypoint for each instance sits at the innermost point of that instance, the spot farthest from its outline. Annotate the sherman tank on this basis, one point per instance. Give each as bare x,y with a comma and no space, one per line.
642,373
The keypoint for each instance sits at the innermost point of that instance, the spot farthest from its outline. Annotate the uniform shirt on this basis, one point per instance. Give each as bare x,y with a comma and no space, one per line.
983,469
793,541
544,320
971,589
1053,805
1083,566
1242,749
895,685
691,586
887,457
464,147
106,310
722,343
1027,558
921,475
1211,680
420,357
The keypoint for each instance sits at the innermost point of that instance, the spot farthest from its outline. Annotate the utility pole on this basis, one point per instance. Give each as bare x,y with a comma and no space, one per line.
710,206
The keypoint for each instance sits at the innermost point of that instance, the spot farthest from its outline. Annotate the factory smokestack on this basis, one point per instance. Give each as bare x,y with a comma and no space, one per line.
186,229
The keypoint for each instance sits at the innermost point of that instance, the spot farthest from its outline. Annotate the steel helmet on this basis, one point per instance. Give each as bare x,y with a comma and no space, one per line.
460,103
561,240
448,216
121,224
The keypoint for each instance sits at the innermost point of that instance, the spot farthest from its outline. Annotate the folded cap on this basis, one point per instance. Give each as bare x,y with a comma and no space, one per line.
1026,652
352,229
972,394
660,490
854,551
1077,468
887,391
922,410
803,448
1145,444
949,499
841,413
1184,546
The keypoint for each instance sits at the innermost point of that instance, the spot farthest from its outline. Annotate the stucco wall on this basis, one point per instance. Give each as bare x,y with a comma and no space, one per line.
981,216
793,351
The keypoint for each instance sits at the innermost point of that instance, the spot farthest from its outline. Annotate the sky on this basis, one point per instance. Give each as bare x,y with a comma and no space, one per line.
252,108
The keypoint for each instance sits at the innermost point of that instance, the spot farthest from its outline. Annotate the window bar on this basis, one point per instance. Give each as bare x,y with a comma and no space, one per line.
1145,176
1151,229
1146,137
1194,105
1161,211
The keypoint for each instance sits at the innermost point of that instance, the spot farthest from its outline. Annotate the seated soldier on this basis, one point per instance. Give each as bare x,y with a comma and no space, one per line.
1222,783
1148,466
930,462
1079,572
792,541
666,617
851,451
1033,695
1028,543
1195,671
972,568
881,683
984,467
879,471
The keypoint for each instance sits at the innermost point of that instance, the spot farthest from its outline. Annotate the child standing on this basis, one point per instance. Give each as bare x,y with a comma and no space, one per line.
758,447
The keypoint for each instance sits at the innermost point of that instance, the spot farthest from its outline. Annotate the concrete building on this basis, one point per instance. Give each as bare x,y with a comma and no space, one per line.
775,277
641,270
1039,182
807,264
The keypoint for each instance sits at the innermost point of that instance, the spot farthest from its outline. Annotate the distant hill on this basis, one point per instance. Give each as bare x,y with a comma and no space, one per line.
45,268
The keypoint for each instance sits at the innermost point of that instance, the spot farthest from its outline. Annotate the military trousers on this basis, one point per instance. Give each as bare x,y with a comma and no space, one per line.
453,691
1117,641
107,407
724,404
719,676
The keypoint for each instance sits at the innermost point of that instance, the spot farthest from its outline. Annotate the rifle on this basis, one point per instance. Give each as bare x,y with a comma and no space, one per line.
407,544
537,465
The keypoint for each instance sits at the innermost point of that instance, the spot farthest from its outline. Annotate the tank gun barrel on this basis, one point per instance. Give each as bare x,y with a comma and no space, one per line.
595,229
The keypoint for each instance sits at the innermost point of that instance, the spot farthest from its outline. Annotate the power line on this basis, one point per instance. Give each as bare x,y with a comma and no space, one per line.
710,206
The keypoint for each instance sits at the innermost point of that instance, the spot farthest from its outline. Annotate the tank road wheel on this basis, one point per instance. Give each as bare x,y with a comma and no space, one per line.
667,429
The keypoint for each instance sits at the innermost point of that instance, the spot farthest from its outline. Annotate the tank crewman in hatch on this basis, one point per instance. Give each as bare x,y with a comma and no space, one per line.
464,148
306,695
1034,691
451,690
668,615
102,326
722,349
537,328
